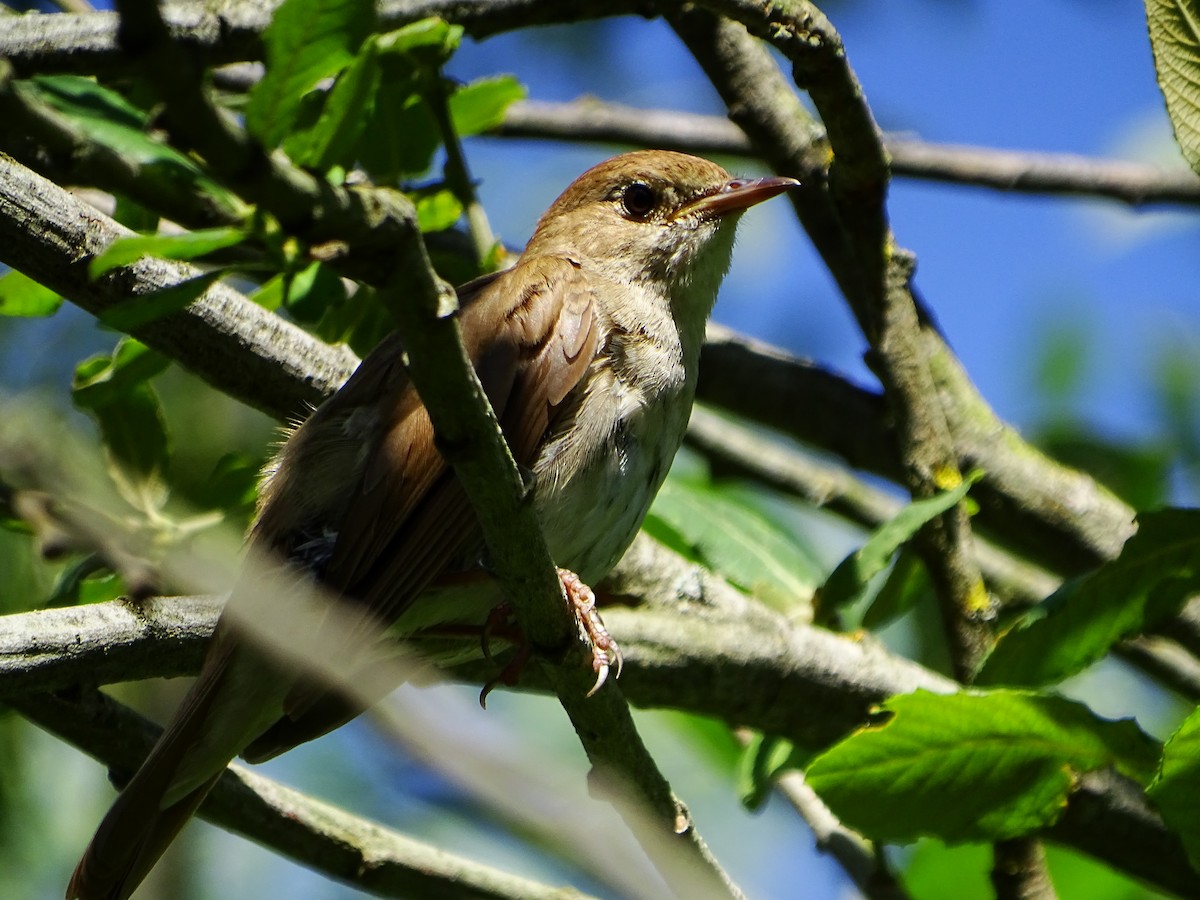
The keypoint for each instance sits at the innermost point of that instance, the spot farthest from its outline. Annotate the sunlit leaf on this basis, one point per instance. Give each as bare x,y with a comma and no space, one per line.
427,42
738,542
845,586
1177,788
313,290
437,210
306,42
1158,569
1175,39
972,766
331,140
22,296
186,245
480,105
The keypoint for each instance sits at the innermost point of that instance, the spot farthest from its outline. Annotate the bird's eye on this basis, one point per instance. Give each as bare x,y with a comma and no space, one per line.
639,200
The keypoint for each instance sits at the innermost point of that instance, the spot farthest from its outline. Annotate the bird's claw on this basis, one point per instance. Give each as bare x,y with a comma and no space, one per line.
605,652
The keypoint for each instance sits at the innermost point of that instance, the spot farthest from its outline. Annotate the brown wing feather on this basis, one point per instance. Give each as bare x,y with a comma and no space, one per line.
532,335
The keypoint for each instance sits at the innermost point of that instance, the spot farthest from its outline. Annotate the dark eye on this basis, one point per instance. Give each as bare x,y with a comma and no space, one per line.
639,200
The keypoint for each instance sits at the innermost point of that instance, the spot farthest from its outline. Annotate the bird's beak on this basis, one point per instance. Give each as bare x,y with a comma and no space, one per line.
737,195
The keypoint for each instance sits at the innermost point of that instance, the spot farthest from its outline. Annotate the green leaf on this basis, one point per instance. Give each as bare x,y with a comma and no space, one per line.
972,766
1158,569
738,542
1176,789
313,290
306,42
849,581
188,245
480,105
403,137
103,378
21,296
271,293
764,760
437,210
131,314
107,118
114,390
906,584
426,43
331,140
1175,39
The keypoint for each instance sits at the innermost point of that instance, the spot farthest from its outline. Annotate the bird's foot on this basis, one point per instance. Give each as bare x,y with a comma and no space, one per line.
605,652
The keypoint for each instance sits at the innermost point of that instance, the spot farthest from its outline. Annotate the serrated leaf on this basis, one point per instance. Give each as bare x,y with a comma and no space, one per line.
331,140
437,210
972,766
1175,39
21,296
131,314
188,245
738,542
1158,569
306,42
1177,788
480,106
848,582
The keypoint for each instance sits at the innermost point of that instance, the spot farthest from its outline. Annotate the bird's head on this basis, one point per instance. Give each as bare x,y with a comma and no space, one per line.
654,217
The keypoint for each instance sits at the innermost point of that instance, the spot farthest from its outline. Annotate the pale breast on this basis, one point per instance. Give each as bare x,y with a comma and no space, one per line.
597,477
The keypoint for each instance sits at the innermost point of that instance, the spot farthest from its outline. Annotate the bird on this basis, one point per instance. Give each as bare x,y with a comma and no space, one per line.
587,348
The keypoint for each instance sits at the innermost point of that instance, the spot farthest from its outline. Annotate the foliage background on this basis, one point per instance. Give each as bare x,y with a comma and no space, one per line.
1072,316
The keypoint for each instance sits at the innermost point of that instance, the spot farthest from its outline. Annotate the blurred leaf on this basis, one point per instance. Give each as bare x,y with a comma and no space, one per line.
426,43
1178,380
972,766
1157,571
306,42
331,140
437,210
906,584
738,542
1138,475
269,295
935,871
233,485
131,314
76,581
763,761
314,290
1177,788
115,392
188,245
480,105
1175,39
21,296
848,582
1062,358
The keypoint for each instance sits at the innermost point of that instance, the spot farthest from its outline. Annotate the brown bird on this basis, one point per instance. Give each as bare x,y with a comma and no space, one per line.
588,350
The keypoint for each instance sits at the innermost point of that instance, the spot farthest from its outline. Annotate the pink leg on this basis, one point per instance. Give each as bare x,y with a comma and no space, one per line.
605,652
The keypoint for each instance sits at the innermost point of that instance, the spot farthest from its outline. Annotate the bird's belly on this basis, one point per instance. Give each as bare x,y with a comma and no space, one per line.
590,517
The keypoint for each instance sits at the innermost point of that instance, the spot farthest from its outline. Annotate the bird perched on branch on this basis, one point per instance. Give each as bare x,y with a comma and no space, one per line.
588,350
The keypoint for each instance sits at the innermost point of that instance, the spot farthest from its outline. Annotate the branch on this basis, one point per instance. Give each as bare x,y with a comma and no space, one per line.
593,120
233,344
698,645
326,838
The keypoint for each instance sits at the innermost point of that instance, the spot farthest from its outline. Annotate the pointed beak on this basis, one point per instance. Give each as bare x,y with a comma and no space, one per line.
737,195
